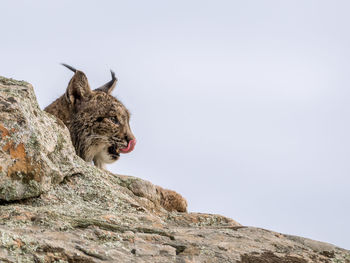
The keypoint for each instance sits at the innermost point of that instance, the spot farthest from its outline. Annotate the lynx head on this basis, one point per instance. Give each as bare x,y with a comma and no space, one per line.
98,122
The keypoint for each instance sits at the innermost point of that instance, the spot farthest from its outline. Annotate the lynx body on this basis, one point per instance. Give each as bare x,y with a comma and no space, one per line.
99,127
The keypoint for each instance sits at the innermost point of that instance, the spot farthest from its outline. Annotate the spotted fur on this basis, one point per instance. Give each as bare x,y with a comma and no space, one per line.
98,123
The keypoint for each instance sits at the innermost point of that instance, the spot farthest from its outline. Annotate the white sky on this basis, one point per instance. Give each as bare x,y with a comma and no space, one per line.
240,106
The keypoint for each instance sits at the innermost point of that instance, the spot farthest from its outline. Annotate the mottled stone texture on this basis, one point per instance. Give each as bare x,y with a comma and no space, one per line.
35,148
69,211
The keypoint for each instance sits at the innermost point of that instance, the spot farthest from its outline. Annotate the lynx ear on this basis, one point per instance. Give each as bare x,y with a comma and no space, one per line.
110,85
78,88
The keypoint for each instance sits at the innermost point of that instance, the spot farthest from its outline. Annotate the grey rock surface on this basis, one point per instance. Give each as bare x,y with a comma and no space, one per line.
35,151
56,208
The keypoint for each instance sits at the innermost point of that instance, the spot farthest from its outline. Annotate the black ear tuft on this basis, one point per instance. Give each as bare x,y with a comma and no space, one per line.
69,67
110,85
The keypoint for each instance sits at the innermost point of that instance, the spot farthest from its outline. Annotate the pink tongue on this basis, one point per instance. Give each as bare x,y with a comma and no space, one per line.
130,147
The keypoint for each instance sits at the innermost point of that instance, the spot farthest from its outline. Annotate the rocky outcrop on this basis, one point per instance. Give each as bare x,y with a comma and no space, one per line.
35,151
56,208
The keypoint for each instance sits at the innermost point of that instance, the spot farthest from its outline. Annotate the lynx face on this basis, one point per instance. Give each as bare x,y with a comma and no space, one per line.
97,121
100,129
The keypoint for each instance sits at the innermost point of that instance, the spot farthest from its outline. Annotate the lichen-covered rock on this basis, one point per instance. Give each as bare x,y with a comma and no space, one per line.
85,214
35,152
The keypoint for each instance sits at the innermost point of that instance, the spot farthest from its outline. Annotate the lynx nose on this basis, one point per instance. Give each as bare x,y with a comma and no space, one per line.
128,139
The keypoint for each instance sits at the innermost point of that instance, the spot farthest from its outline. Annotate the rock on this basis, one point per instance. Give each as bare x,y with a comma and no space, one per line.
35,148
57,208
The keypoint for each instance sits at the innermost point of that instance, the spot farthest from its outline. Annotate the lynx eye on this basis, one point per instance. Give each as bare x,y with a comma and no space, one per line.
99,119
114,120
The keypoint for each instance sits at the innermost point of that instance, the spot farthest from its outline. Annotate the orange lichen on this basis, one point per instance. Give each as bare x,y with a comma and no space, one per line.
7,146
4,131
22,163
18,152
19,242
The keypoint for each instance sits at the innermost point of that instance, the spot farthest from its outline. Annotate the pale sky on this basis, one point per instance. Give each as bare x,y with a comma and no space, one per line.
240,106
